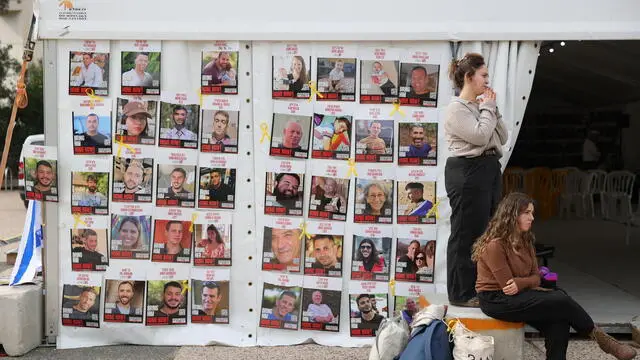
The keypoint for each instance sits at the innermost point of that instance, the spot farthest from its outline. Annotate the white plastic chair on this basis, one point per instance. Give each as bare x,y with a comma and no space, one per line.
588,185
572,194
597,188
619,187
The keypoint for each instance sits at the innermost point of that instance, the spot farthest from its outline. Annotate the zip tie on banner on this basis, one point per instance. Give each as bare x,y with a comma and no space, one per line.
194,217
352,167
303,231
264,127
396,107
77,220
314,91
392,287
92,97
121,144
185,286
434,210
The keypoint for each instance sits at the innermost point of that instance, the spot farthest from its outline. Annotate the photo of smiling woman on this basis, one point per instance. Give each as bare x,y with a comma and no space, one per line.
130,236
374,201
136,121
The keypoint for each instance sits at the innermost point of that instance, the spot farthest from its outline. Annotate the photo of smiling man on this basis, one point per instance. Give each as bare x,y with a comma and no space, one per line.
281,249
124,301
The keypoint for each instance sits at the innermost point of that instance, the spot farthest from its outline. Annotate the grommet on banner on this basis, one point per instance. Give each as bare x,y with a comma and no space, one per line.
314,91
396,107
352,167
92,97
185,287
264,128
194,217
77,220
303,231
121,144
434,210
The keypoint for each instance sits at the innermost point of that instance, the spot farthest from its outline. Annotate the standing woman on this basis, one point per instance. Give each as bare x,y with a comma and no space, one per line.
475,134
509,284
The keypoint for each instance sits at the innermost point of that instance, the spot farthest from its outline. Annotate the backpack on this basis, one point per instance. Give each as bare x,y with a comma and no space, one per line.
430,342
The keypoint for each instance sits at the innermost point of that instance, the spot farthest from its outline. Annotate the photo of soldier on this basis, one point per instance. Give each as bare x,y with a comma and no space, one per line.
140,73
172,241
331,137
374,141
124,301
418,144
166,302
209,302
291,75
220,131
88,72
132,180
81,306
290,136
91,134
282,249
136,121
219,72
321,310
378,81
336,78
419,84
176,185
217,188
280,307
323,255
89,193
130,236
89,250
329,198
284,194
212,245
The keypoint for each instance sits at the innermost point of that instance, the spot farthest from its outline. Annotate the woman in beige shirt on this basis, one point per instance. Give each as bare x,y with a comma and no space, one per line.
509,289
475,133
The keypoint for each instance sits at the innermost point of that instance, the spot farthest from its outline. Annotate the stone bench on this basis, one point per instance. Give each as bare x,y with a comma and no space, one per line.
20,318
508,337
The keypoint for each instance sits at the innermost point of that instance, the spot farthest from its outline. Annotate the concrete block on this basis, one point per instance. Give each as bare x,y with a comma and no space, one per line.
508,337
20,318
635,329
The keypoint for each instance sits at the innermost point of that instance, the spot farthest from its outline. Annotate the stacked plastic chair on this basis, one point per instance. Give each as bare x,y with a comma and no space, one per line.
512,180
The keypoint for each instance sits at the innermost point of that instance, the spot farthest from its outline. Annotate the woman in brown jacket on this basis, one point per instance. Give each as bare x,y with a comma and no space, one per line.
508,283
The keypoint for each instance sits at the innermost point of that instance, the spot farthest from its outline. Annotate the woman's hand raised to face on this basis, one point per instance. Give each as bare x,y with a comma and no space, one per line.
488,94
511,288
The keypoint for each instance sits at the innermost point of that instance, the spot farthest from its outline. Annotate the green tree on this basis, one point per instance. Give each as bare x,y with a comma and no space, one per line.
29,121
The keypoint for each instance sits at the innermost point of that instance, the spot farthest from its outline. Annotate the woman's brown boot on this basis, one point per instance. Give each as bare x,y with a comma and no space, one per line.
611,346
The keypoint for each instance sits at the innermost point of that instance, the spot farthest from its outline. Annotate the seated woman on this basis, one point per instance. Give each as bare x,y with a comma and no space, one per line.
508,283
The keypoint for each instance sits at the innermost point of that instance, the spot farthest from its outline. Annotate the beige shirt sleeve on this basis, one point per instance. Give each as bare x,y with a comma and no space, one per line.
462,122
501,129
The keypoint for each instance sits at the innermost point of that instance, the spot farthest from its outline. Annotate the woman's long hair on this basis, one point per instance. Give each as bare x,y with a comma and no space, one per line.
369,262
133,220
385,206
219,239
504,225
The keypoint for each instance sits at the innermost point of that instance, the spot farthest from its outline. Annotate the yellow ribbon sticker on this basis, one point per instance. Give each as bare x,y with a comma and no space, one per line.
264,127
314,91
396,107
352,167
194,217
92,97
303,231
433,212
77,220
121,144
200,96
185,287
392,287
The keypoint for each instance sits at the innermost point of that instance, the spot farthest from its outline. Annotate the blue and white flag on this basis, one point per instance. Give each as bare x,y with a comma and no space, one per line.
29,259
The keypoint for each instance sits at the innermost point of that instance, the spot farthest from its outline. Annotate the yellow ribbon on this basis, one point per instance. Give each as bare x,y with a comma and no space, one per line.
92,97
185,286
77,220
200,96
396,107
303,231
352,167
392,287
314,91
121,144
434,210
194,217
451,324
264,127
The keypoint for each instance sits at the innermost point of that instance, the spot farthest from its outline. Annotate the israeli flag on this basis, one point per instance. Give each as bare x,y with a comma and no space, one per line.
29,259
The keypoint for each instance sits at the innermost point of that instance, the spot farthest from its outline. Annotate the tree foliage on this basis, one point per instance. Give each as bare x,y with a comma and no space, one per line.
29,121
